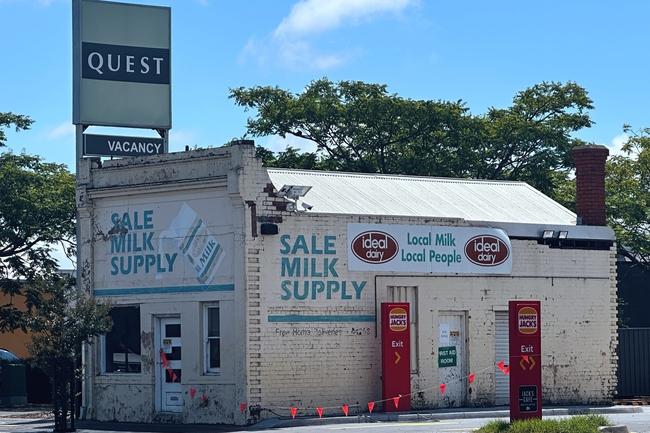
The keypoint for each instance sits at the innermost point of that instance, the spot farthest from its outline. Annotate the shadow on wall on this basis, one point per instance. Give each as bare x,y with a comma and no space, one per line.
633,295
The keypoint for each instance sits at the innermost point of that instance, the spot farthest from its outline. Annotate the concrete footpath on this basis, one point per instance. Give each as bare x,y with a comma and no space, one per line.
439,415
285,422
35,420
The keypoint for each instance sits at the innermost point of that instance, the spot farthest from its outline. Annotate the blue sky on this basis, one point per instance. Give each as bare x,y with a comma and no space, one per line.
477,51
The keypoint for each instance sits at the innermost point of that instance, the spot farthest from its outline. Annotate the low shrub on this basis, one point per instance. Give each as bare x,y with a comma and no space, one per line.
574,424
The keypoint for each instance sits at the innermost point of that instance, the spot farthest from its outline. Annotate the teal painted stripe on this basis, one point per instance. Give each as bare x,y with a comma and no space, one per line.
189,241
321,318
171,289
215,252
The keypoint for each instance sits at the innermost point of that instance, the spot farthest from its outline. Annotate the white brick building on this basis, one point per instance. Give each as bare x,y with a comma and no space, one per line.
212,308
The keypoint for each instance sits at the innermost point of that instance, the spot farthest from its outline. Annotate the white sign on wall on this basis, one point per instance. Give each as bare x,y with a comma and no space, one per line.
163,245
428,249
121,64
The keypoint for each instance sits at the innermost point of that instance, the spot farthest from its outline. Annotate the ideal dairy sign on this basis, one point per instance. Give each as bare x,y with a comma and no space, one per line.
428,249
175,245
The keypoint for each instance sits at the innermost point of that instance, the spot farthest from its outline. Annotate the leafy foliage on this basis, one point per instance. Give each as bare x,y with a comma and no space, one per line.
574,424
37,210
17,120
60,325
358,126
628,196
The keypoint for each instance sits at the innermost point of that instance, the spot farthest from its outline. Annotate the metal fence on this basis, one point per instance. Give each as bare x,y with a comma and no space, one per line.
633,362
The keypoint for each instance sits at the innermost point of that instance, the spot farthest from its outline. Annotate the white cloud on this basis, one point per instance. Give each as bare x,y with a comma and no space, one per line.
315,16
292,42
63,130
616,144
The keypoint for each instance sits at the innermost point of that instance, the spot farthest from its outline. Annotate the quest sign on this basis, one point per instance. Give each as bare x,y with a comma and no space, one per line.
428,249
121,64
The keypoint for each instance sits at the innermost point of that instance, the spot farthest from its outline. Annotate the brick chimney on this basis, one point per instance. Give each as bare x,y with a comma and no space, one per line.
590,184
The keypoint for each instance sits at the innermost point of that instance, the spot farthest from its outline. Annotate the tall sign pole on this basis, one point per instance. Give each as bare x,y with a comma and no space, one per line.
121,64
525,322
395,359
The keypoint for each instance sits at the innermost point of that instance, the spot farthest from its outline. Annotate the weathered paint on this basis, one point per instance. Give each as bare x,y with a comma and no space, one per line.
322,346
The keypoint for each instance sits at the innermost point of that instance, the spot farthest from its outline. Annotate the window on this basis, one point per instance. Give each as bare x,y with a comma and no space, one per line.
122,343
212,333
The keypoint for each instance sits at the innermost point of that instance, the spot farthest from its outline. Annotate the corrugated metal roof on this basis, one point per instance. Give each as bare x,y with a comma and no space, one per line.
472,200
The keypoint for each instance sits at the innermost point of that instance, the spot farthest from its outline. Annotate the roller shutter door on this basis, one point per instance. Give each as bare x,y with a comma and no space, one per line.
502,389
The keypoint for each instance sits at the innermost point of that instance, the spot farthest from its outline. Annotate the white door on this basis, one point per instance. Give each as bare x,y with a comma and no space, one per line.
451,354
169,393
501,353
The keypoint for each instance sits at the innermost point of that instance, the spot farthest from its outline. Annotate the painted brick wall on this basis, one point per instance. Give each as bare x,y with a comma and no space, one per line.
308,364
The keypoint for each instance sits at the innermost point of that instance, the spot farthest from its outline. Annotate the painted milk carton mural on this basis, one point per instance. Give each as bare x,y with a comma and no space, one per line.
161,244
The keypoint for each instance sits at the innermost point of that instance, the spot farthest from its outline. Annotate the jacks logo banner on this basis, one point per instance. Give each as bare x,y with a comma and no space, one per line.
428,249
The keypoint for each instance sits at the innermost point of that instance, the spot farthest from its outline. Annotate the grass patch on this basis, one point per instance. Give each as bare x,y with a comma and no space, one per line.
574,424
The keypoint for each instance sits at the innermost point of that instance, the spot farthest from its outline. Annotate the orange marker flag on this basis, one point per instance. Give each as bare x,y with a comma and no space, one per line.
345,409
396,401
319,411
471,378
443,388
371,406
294,411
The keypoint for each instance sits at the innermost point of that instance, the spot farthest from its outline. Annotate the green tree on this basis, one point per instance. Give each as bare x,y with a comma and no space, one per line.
355,126
358,126
532,139
60,325
18,121
628,196
37,211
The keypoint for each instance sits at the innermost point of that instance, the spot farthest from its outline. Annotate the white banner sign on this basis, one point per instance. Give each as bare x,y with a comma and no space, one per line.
428,249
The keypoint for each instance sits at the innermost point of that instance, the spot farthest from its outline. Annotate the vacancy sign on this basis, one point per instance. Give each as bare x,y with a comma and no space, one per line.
395,359
525,326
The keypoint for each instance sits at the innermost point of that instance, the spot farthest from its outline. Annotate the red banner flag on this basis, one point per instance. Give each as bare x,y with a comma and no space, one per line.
471,378
371,406
443,388
294,411
345,408
319,411
242,407
396,401
192,392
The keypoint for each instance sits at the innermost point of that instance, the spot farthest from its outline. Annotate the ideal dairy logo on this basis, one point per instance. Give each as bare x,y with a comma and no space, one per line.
486,250
397,319
527,320
375,247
